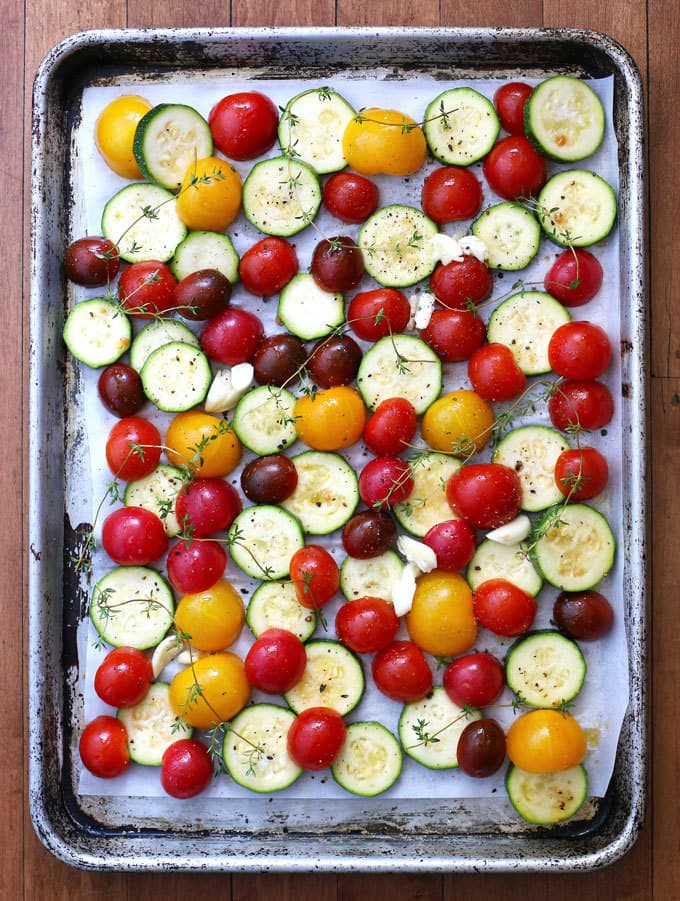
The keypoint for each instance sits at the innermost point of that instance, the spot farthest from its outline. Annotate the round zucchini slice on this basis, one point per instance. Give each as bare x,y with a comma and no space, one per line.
400,366
525,323
564,118
176,377
429,729
262,539
152,726
574,547
141,219
311,129
375,577
576,208
168,140
511,234
97,332
501,561
327,492
158,492
461,126
532,451
547,798
263,420
370,760
155,335
274,605
281,196
132,605
332,678
545,668
395,243
255,751
427,504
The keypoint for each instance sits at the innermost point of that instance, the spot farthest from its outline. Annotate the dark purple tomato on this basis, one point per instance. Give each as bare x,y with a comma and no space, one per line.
269,480
202,294
369,534
583,615
337,264
481,748
91,261
279,359
120,390
334,361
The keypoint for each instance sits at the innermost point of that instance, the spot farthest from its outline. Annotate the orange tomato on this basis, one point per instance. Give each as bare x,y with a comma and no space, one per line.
441,621
384,142
211,620
210,196
114,133
546,741
210,691
330,419
205,444
460,423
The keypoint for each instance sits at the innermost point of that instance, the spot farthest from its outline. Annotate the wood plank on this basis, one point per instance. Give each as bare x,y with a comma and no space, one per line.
519,13
295,12
164,14
284,887
401,887
388,12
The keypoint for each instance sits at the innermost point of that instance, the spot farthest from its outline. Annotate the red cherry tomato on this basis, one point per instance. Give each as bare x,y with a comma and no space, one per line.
454,335
123,677
476,679
385,481
133,448
453,541
369,534
581,473
316,737
147,289
337,264
134,536
367,624
120,390
232,336
207,506
503,608
509,101
92,261
401,672
451,193
195,566
350,197
487,495
583,615
459,284
315,575
243,125
186,768
481,748
579,350
103,747
374,314
267,266
586,404
494,373
574,278
276,661
390,429
514,168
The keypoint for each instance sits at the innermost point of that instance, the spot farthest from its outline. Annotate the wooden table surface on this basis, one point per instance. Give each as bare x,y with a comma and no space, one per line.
650,31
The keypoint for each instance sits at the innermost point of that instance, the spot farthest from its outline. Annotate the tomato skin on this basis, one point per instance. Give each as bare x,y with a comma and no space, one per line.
510,100
458,422
195,567
440,621
368,534
453,542
220,449
134,536
494,373
211,619
579,350
366,625
316,737
337,264
123,677
210,196
390,429
574,278
147,289
514,168
91,261
385,481
376,142
224,690
124,461
279,360
481,748
584,403
120,390
457,284
269,480
243,125
487,495
350,197
583,615
334,361
315,575
332,419
103,747
374,314
503,608
266,267
207,506
476,679
454,335
202,294
232,336
115,132
451,193
401,672
186,768
581,473
546,741
276,661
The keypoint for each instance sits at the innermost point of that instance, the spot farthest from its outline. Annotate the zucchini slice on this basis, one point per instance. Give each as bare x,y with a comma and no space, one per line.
564,118
255,751
429,729
251,543
307,310
176,377
370,760
576,208
575,548
511,233
461,126
155,335
427,504
311,129
168,140
274,605
332,678
132,605
158,492
152,726
327,492
141,219
281,196
205,250
400,366
532,451
525,323
395,242
547,798
375,577
501,561
545,668
263,420
97,332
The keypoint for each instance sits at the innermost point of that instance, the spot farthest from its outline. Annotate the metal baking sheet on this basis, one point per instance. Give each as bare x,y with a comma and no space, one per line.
279,834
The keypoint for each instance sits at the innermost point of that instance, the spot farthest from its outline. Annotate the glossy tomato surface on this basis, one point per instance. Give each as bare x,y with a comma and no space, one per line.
379,312
103,747
195,566
206,445
202,294
494,373
210,196
315,575
583,615
330,419
211,619
581,473
134,536
579,350
120,390
514,168
115,133
350,197
476,679
186,768
453,542
223,690
487,495
390,429
334,361
316,737
440,621
123,677
504,608
481,748
454,335
279,359
244,125
574,278
401,672
369,534
133,448
385,481
451,193
384,141
276,661
92,261
337,264
267,266
206,506
232,336
583,404
269,480
510,100
459,423
367,624
546,741
458,285
147,289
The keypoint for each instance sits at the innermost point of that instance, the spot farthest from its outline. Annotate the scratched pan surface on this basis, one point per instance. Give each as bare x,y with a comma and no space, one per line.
146,834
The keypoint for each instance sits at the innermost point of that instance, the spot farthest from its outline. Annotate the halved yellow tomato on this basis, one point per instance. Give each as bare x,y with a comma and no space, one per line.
210,196
546,741
115,131
384,142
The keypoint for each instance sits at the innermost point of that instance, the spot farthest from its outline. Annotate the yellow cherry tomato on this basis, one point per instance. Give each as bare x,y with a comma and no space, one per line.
211,620
205,444
460,423
546,741
330,420
114,133
441,621
210,196
210,691
384,142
